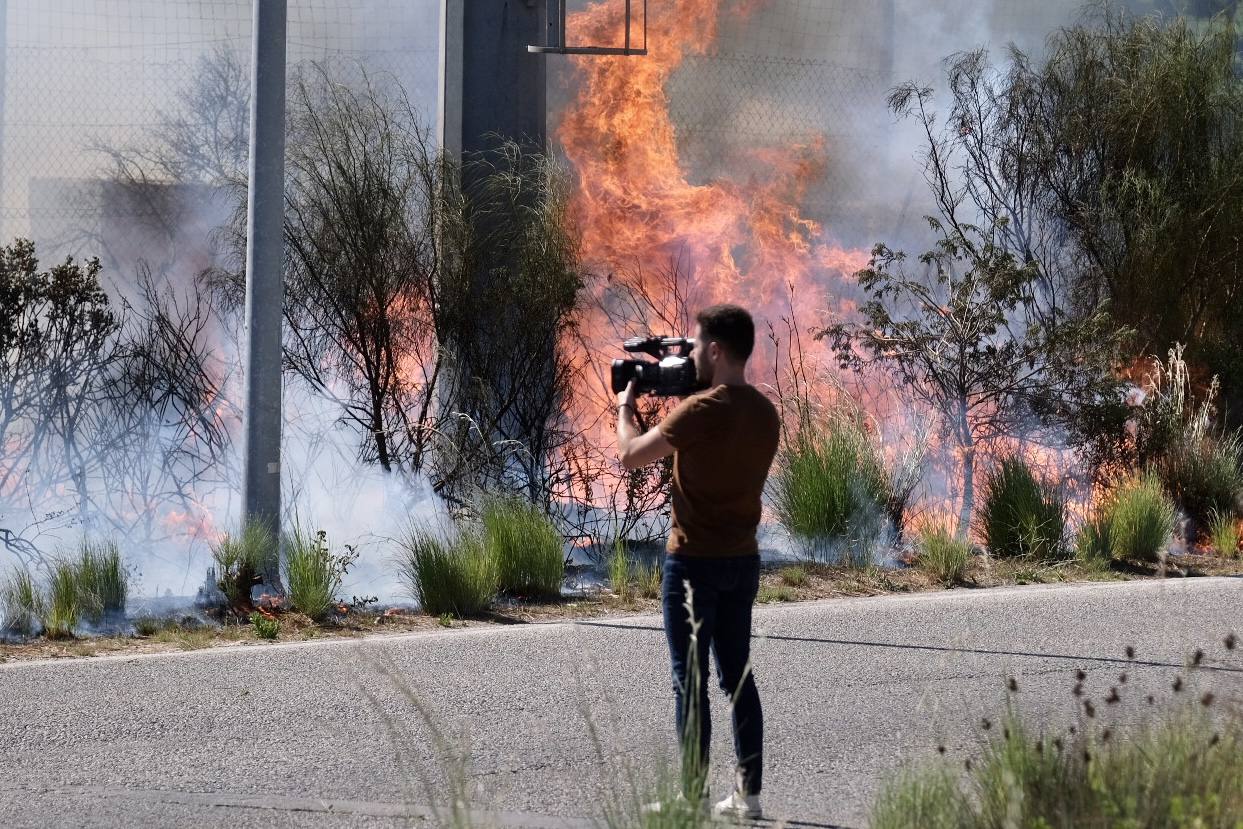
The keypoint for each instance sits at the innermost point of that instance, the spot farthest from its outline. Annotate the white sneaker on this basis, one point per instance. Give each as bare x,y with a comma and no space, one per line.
678,804
739,805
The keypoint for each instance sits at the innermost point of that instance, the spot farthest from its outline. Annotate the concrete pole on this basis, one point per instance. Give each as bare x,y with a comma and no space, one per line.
489,83
265,212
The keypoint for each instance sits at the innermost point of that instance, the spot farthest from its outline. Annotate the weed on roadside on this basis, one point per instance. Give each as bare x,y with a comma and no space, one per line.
265,627
774,593
795,576
1181,769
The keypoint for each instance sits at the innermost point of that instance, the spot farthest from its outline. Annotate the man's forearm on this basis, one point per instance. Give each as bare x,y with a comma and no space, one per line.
627,428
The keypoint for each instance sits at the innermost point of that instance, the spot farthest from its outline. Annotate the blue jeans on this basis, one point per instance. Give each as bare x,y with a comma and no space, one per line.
724,590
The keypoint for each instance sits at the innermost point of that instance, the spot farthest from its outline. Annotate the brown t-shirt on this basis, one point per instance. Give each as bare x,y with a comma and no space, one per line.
725,439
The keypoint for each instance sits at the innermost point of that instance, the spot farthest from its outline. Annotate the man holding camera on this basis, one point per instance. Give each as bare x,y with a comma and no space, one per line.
723,440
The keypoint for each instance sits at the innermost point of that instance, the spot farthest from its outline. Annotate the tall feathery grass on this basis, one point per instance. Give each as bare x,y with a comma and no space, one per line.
830,489
526,546
456,577
1021,515
312,574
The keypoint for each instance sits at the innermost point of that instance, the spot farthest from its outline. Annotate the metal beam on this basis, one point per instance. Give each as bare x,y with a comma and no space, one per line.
265,214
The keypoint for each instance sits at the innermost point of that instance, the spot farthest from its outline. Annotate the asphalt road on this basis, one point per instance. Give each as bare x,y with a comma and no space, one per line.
558,718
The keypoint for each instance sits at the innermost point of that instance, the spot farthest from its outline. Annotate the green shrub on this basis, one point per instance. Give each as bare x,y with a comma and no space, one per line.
63,605
1021,515
526,546
1203,473
21,603
242,558
102,582
1140,519
458,578
942,554
313,574
1183,771
1223,533
830,489
265,626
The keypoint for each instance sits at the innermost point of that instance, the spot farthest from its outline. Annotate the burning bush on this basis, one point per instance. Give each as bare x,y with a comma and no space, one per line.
1021,515
942,554
458,577
525,546
830,489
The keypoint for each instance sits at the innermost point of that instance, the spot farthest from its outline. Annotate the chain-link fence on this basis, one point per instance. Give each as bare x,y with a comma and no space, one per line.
86,76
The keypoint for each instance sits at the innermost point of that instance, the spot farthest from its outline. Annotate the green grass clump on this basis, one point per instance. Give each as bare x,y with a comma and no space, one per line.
241,559
63,606
774,593
21,603
313,574
830,489
102,582
1140,519
1203,473
632,579
526,546
942,554
458,578
1223,534
265,626
620,572
1183,771
1021,515
794,576
1094,545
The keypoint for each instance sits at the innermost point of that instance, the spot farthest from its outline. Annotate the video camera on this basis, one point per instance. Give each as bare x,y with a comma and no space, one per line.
673,375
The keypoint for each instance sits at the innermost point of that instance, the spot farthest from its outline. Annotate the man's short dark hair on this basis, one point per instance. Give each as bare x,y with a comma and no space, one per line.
731,326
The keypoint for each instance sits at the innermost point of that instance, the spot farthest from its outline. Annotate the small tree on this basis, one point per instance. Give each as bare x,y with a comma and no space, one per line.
965,337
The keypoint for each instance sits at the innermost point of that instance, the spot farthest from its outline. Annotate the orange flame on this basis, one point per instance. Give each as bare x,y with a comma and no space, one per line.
742,241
